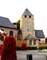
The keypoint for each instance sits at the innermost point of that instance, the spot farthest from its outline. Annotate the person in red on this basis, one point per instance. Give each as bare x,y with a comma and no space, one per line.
9,48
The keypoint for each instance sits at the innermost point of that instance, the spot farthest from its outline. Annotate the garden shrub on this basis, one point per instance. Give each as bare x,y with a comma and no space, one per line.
42,47
27,48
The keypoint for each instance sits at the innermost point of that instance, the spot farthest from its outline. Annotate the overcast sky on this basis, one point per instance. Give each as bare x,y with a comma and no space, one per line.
13,9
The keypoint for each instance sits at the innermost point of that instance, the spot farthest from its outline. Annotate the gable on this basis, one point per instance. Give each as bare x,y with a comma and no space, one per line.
27,12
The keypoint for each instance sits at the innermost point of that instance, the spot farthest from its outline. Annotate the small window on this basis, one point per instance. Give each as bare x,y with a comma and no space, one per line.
29,16
11,33
25,16
39,39
34,42
30,43
46,40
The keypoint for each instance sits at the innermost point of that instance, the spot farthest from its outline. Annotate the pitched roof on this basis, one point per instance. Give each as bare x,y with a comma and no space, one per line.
29,37
39,34
5,22
27,12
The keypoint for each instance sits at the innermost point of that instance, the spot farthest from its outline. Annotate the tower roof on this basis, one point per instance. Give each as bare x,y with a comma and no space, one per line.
27,12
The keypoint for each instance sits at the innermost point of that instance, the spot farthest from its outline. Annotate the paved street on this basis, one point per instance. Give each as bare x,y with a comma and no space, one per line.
36,55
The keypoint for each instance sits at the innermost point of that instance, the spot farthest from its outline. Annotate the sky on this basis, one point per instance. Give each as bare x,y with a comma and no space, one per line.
13,9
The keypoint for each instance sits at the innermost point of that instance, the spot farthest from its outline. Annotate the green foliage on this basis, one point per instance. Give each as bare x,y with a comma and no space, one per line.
42,47
32,48
18,48
28,48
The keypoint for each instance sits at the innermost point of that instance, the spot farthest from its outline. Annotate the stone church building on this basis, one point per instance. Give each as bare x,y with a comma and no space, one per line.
26,26
23,29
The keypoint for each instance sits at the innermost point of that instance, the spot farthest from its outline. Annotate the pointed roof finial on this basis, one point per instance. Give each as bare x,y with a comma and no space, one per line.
27,12
26,9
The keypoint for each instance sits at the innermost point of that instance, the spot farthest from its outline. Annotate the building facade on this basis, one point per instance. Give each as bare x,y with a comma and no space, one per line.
33,37
27,23
7,26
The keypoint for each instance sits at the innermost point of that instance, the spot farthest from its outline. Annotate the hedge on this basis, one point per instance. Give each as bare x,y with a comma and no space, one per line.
44,47
32,48
27,48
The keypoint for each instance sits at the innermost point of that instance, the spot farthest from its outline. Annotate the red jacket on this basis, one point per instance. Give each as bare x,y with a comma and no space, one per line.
9,49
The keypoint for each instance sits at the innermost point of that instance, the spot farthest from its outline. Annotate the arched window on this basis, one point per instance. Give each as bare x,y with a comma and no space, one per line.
11,33
19,35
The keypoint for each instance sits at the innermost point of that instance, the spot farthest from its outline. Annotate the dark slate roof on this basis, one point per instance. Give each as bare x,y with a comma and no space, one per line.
27,12
5,22
39,34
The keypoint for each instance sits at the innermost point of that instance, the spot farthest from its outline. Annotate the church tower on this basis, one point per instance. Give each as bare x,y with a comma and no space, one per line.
27,23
